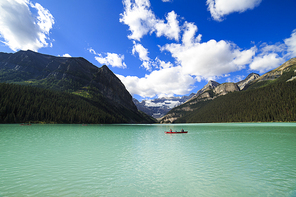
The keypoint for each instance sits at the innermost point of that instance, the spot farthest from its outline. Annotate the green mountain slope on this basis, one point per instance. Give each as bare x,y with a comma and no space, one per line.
20,103
271,98
76,76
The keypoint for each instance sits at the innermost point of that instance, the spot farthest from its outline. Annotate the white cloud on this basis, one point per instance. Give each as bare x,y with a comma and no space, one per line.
167,0
148,64
92,51
163,64
220,8
269,57
143,55
141,21
291,44
67,55
112,59
138,17
164,82
20,29
195,60
170,29
189,32
275,48
266,62
142,52
210,59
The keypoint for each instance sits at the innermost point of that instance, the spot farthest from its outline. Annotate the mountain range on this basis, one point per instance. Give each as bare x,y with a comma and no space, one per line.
75,76
37,87
159,107
270,97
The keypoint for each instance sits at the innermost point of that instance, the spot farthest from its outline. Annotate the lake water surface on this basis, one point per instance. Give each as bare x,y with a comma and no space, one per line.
237,159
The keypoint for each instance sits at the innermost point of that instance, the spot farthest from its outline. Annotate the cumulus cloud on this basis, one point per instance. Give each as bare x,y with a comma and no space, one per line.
208,59
143,55
170,29
67,55
269,57
189,32
111,59
221,8
142,52
163,64
291,44
141,21
148,63
20,29
195,60
138,17
164,82
266,62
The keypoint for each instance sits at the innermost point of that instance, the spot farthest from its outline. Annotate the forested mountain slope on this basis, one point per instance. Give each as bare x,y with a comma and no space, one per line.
20,104
271,97
76,76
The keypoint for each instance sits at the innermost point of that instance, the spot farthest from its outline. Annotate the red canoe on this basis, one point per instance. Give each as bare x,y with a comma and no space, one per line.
171,132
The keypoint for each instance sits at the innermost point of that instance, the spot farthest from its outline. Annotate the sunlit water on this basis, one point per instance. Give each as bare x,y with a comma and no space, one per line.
254,159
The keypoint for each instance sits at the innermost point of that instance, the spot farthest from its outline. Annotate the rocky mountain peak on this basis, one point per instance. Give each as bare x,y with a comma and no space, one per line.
251,77
211,84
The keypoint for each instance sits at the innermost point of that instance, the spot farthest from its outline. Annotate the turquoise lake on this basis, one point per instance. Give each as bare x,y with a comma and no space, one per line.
227,159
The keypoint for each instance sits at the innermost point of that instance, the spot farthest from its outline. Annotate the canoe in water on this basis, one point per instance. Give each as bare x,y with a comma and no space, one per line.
175,132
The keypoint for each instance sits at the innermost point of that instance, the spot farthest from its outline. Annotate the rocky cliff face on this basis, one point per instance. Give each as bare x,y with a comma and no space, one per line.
63,73
225,88
209,86
251,77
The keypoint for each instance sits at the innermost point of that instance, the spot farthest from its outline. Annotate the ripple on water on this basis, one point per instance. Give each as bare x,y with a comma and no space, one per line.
140,160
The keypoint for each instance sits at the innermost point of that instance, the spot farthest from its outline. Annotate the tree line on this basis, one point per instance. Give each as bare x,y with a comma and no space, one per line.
21,104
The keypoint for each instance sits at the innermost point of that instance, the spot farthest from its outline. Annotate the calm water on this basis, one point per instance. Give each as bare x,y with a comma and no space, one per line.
254,159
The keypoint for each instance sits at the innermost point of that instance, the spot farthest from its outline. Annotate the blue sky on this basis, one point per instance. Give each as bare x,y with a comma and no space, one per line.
158,47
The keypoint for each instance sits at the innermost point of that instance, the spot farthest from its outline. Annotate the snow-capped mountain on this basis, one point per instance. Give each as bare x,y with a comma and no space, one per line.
157,108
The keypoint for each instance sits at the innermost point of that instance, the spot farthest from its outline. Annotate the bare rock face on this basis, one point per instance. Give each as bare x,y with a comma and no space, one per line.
251,77
225,88
209,86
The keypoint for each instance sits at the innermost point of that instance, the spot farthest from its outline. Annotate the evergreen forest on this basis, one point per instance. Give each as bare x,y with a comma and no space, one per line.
24,104
273,102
